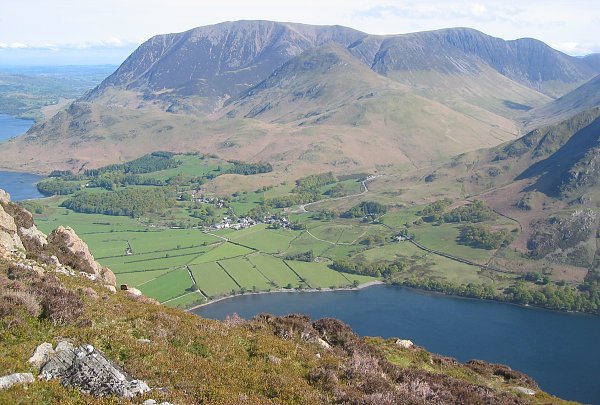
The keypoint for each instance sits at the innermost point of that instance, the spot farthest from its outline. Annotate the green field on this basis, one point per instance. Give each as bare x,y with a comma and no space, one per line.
186,301
265,240
170,285
319,275
225,250
243,272
138,278
212,279
275,270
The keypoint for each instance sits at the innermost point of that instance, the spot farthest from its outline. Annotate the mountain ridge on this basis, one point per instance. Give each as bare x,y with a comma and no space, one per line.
454,89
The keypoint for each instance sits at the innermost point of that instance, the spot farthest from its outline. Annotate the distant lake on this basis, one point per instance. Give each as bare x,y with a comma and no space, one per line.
21,186
560,351
11,126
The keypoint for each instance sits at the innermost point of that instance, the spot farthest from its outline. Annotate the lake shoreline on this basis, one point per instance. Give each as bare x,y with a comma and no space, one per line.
290,291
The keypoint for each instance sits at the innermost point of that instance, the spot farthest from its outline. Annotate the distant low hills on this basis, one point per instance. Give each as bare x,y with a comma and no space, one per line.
297,95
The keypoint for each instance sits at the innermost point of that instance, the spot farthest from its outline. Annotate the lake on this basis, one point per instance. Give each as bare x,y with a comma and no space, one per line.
560,351
20,186
11,126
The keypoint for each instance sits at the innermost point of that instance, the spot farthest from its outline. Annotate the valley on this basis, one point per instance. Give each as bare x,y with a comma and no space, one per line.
245,161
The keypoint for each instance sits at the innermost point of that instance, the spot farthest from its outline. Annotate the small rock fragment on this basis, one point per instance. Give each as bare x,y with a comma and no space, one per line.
404,343
16,378
523,390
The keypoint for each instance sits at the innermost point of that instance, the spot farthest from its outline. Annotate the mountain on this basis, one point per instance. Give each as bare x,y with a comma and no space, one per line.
87,342
274,91
209,64
584,97
462,50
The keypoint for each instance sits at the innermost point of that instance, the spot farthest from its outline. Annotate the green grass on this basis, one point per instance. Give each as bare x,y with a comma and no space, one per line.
274,269
224,251
169,239
245,274
192,166
305,242
140,277
152,261
444,239
169,285
186,301
212,280
265,240
318,274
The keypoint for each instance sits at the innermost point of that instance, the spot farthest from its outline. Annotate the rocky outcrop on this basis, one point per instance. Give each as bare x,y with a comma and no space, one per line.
88,369
17,229
8,228
72,251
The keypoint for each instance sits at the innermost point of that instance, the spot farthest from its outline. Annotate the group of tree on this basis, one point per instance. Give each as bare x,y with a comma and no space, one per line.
58,186
307,190
434,209
481,236
370,209
359,265
585,298
154,162
314,181
134,202
477,211
308,256
250,168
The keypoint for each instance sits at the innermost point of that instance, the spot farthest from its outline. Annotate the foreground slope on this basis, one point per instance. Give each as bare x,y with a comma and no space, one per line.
266,360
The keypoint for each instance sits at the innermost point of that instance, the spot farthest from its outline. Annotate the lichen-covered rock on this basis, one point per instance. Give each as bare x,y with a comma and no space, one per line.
72,251
41,356
87,369
17,378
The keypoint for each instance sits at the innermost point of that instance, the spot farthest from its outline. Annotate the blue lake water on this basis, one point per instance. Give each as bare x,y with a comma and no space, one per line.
11,126
560,351
21,186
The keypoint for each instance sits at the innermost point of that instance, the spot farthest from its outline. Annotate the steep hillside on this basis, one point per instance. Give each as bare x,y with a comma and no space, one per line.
547,181
583,98
91,343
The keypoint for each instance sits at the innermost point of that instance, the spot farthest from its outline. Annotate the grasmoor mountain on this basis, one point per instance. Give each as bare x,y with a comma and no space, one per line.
297,94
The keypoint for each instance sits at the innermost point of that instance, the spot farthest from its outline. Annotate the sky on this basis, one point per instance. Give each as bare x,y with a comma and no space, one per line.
55,32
